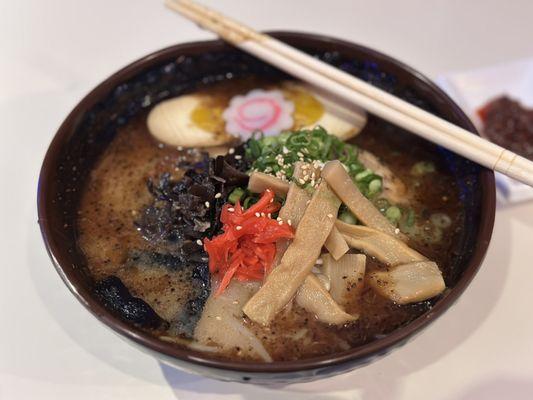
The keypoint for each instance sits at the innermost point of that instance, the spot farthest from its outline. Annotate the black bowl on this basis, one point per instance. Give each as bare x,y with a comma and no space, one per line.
169,72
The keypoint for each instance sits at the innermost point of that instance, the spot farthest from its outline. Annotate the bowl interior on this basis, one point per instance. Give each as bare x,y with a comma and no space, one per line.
170,72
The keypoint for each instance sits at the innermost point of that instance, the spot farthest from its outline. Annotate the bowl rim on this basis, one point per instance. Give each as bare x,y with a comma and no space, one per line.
376,347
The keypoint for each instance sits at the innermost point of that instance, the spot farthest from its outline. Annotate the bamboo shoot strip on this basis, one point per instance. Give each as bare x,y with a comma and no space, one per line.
345,276
341,183
295,205
259,182
385,248
336,244
313,297
292,211
296,201
283,282
409,283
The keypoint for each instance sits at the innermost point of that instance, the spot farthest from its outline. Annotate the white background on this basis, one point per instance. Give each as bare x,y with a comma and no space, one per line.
54,52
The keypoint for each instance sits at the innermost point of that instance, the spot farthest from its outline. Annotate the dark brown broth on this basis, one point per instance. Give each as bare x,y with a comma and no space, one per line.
116,192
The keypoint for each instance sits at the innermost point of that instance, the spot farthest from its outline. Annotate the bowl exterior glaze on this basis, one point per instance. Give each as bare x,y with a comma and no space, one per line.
182,68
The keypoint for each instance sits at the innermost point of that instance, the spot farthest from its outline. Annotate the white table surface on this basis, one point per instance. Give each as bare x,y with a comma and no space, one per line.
53,52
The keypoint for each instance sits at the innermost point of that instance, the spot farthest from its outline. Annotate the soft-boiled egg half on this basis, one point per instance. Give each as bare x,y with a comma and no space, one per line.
212,119
187,121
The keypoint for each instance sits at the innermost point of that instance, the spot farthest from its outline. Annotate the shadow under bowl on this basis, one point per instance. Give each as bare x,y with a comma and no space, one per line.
93,123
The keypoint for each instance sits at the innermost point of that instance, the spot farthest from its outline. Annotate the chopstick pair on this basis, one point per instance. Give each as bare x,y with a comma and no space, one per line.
358,92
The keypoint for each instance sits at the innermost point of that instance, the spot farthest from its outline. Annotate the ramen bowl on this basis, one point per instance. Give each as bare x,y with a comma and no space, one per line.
93,123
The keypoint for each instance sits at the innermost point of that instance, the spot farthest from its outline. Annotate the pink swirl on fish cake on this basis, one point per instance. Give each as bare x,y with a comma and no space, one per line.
258,110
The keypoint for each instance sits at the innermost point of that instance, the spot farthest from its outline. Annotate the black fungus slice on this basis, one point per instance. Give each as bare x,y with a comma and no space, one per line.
187,210
230,170
184,212
117,298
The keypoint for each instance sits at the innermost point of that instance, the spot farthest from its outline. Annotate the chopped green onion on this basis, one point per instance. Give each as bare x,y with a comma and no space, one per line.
410,221
255,148
249,201
374,187
348,217
235,195
361,175
277,154
393,214
268,140
422,168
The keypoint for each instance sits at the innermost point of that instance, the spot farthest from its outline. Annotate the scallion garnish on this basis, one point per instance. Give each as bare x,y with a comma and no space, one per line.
276,155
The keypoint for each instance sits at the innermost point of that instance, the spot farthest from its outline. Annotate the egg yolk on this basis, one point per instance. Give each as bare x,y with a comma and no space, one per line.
208,117
307,111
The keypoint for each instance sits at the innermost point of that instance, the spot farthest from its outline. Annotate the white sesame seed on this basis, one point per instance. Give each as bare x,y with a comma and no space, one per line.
235,301
302,181
263,214
269,215
278,219
280,222
218,195
231,150
199,242
285,150
330,215
218,318
319,261
238,227
180,148
396,231
231,209
238,157
307,202
207,204
299,154
289,222
272,200
257,214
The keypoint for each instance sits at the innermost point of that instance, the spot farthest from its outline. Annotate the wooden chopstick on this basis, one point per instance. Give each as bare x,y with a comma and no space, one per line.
356,91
